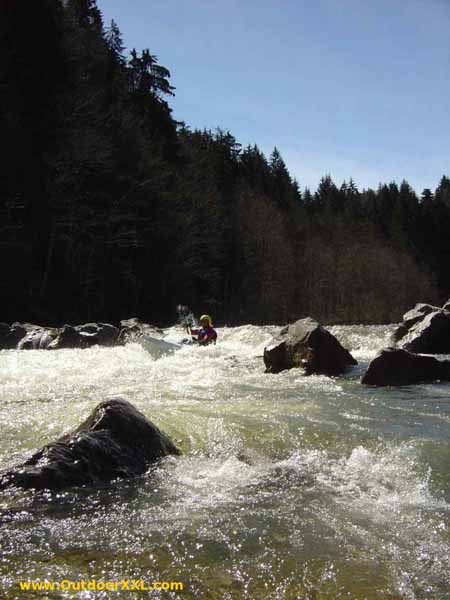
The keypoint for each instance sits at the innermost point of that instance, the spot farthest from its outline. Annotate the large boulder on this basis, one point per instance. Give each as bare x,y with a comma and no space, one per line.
430,335
132,329
115,441
85,336
100,334
307,344
37,339
394,366
410,318
10,335
69,337
425,329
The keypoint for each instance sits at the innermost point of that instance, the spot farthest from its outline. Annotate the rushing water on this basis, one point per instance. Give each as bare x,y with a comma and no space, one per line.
288,487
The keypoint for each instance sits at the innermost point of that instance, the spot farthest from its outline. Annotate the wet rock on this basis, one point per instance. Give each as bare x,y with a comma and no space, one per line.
38,339
430,335
410,318
26,336
394,366
425,329
69,337
85,336
115,441
103,334
307,344
10,335
131,329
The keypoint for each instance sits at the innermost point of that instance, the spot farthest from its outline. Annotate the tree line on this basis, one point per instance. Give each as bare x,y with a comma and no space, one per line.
110,208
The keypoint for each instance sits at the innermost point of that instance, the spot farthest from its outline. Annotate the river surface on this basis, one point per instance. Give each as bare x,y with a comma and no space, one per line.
288,487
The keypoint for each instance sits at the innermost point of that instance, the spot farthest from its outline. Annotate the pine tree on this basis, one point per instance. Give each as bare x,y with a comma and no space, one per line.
255,170
442,193
113,38
282,189
146,75
427,197
110,207
87,15
327,195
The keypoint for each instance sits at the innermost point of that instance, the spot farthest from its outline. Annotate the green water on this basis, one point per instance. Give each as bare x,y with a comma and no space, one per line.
289,486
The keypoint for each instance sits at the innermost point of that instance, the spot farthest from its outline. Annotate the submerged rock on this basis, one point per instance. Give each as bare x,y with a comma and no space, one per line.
85,336
115,441
307,344
394,366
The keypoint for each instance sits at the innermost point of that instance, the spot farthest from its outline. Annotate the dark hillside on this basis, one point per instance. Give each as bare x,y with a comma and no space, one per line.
110,208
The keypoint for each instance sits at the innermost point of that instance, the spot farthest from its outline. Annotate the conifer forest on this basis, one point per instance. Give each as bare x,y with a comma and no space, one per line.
110,208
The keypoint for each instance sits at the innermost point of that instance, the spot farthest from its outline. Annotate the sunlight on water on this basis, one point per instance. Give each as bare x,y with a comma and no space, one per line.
288,485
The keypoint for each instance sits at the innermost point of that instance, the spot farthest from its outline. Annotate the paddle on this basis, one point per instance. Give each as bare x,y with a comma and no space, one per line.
189,330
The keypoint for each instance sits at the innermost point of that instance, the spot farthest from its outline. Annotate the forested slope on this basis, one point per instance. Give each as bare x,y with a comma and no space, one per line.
110,208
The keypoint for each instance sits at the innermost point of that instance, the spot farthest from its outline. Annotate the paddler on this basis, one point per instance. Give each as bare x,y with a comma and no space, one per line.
206,334
186,317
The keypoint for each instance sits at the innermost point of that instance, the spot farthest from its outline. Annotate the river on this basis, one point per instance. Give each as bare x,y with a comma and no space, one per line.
288,487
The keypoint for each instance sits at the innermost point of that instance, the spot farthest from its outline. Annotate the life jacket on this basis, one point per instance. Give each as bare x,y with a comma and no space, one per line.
206,335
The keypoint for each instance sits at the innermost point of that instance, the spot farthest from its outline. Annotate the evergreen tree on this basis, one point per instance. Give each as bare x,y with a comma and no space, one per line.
442,193
255,169
113,38
283,191
112,208
327,196
308,198
87,15
145,75
427,197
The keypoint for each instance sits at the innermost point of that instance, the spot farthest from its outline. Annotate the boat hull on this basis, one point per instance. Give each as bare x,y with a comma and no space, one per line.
157,347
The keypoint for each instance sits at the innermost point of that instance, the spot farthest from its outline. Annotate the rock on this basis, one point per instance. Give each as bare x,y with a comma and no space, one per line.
88,328
69,337
410,318
307,344
430,335
4,333
425,329
394,366
10,336
103,334
115,441
28,336
130,329
39,339
85,336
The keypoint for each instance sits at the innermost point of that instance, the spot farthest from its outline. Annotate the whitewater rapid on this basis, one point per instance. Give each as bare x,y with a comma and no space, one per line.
288,485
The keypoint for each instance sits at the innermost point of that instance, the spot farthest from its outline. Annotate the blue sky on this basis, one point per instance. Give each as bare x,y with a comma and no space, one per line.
353,88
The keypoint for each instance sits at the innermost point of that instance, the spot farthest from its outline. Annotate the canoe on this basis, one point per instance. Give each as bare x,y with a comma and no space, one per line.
157,347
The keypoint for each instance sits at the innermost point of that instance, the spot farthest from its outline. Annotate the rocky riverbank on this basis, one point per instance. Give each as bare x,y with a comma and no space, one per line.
29,336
